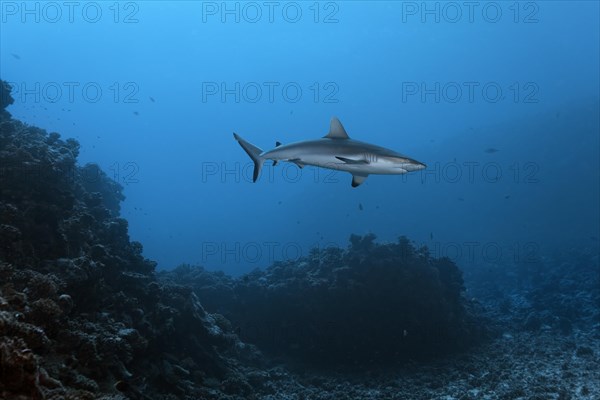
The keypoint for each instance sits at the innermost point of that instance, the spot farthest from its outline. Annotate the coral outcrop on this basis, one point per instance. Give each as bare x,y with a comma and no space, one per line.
81,312
371,303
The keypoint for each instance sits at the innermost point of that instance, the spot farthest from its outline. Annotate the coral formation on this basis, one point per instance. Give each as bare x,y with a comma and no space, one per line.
81,312
371,303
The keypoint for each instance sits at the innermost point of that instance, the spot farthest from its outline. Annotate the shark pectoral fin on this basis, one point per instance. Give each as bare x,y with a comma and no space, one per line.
351,161
358,179
274,162
298,162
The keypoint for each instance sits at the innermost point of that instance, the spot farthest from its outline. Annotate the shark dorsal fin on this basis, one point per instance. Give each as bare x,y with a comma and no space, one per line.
336,130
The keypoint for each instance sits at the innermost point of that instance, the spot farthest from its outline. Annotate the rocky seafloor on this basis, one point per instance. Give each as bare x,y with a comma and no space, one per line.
83,315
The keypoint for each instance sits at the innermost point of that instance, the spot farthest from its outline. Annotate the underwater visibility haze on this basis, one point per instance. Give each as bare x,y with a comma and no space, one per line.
299,200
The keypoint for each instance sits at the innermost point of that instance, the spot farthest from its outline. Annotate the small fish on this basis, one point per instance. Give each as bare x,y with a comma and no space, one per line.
377,207
360,206
461,199
151,99
298,222
491,150
18,57
136,113
507,196
279,202
431,235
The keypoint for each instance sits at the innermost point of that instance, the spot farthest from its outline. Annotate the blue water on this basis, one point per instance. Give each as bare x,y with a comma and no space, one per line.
500,101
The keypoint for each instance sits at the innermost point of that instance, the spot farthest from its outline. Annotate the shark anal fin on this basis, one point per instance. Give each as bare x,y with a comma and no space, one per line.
274,162
336,130
358,179
351,161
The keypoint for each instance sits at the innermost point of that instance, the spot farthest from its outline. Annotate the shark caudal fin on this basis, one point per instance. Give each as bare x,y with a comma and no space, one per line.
254,153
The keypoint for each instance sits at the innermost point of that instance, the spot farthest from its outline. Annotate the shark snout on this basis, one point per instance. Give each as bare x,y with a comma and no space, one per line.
414,165
419,166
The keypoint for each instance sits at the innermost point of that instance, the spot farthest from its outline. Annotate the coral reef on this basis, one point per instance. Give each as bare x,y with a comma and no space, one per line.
81,313
371,303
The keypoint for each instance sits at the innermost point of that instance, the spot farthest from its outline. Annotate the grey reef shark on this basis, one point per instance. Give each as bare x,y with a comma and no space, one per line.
335,151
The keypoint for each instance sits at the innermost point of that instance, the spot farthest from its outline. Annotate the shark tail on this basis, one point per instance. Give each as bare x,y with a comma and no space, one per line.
254,153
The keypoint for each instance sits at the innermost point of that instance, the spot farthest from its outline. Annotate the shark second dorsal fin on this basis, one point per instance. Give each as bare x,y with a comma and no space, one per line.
336,130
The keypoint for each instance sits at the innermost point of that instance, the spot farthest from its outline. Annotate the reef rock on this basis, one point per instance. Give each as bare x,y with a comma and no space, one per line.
82,315
370,303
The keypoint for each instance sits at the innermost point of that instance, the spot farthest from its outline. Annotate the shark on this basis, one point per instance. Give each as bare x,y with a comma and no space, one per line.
334,151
